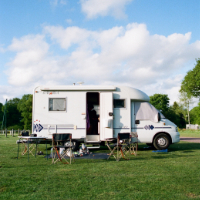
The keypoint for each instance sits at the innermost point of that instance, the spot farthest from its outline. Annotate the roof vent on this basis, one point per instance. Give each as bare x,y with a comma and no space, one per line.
80,83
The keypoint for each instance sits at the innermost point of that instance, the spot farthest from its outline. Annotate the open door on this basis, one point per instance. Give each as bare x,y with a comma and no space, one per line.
92,122
106,115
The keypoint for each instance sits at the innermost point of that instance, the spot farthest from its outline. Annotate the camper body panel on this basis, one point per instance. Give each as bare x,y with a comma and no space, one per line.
124,118
114,105
71,120
172,130
73,117
106,115
121,122
147,129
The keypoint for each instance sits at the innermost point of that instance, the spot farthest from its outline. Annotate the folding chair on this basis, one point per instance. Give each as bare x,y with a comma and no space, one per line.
121,149
134,143
60,151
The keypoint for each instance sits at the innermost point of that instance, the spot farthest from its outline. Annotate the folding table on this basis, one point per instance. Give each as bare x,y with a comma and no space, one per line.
32,141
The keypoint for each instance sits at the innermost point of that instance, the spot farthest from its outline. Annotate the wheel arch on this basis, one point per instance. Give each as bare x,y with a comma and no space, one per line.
164,133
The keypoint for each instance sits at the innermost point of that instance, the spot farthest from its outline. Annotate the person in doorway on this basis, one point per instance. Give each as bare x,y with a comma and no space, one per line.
93,118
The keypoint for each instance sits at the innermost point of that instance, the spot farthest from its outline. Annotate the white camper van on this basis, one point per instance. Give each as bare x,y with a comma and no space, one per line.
95,113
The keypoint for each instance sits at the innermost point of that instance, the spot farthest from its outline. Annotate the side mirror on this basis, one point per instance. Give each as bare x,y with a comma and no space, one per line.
159,117
137,121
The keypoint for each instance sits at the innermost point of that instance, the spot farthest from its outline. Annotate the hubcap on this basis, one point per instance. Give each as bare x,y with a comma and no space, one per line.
161,141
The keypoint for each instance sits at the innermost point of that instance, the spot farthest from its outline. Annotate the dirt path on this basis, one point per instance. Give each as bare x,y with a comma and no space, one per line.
190,139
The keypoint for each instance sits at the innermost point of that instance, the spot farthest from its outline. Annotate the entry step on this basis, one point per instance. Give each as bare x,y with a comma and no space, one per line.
92,138
92,142
94,147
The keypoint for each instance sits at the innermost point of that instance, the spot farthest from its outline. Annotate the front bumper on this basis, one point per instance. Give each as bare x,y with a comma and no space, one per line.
175,137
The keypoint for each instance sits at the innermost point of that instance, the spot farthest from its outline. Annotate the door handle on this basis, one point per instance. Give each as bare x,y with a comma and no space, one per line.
110,114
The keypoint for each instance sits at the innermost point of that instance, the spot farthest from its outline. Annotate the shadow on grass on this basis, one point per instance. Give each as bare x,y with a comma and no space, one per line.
181,149
185,146
170,156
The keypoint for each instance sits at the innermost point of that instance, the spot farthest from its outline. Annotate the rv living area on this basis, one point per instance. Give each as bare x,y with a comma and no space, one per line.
92,114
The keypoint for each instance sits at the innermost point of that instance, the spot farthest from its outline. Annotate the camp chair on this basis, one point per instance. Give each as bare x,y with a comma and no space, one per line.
60,151
134,143
121,149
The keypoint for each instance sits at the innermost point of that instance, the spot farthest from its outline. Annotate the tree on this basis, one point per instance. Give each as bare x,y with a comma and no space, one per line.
195,115
177,114
186,100
25,107
174,113
13,116
1,114
161,102
191,82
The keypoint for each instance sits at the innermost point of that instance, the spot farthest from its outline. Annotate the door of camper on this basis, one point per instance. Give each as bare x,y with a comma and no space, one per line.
99,120
106,115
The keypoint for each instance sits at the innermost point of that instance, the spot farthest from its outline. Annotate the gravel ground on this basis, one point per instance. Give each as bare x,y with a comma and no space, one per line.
190,139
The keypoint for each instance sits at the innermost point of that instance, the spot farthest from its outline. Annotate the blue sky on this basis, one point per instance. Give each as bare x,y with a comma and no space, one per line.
146,44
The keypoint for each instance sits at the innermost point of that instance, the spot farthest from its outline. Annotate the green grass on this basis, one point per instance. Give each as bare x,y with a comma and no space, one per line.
172,175
189,133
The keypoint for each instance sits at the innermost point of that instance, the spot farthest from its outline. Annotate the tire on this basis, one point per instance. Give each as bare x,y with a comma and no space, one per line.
102,144
76,146
161,141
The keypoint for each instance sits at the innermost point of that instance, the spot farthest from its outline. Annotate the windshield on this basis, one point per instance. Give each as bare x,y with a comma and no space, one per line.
146,111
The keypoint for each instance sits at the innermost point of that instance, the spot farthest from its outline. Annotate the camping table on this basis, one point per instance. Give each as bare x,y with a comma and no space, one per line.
28,138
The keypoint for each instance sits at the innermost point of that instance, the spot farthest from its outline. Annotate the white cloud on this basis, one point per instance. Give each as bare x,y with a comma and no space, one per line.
120,56
10,92
69,21
2,50
69,36
94,8
30,60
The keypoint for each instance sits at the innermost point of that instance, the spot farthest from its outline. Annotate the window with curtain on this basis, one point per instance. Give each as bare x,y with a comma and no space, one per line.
57,104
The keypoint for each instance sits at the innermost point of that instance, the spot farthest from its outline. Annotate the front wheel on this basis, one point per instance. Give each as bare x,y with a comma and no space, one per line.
161,141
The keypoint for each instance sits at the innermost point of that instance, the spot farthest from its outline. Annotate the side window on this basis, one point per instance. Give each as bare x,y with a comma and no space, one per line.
119,103
57,104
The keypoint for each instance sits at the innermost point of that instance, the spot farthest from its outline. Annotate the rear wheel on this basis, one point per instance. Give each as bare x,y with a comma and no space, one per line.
161,141
76,145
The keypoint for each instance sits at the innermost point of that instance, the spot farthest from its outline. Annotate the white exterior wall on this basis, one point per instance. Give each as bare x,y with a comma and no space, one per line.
121,122
192,126
72,120
106,121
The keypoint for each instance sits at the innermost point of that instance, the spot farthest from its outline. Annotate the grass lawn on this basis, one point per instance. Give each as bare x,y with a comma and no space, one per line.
189,133
172,175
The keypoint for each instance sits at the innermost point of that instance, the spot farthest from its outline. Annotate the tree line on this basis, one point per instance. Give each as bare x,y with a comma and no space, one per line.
19,111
